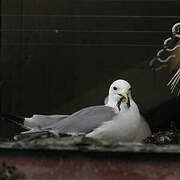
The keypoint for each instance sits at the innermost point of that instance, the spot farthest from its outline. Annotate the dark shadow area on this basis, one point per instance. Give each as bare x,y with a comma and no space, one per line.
60,57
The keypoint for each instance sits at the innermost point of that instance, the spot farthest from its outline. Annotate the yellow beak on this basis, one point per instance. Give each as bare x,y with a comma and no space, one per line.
125,96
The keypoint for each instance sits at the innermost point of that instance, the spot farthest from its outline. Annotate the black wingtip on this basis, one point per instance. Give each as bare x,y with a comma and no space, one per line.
12,117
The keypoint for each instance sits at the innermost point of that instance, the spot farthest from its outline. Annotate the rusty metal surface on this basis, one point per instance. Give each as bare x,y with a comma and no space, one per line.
56,165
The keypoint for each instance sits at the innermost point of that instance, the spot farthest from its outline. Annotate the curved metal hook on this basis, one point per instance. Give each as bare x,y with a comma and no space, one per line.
166,41
171,40
156,68
152,62
157,58
159,52
167,59
168,49
173,49
169,45
176,30
161,67
164,60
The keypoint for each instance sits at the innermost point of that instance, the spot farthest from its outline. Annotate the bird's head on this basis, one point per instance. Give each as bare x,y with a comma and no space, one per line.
120,92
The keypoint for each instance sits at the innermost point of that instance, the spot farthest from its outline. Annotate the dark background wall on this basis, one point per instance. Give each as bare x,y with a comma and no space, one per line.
60,56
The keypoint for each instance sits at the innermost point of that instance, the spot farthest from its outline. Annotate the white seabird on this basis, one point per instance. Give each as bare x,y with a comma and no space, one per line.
117,121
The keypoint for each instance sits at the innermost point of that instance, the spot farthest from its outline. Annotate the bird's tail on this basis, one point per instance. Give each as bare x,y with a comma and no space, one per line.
19,120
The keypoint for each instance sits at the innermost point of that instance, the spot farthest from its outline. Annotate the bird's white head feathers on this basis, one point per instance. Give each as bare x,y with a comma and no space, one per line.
119,91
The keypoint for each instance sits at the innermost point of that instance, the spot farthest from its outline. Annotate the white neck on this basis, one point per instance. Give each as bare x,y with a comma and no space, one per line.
123,105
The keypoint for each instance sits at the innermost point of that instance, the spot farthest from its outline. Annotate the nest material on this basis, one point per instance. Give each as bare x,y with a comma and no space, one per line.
165,137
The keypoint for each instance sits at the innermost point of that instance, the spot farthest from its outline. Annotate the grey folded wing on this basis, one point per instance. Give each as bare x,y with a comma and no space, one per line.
85,121
42,121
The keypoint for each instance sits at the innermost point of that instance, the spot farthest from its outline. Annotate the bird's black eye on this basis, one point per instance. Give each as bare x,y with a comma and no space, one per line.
115,88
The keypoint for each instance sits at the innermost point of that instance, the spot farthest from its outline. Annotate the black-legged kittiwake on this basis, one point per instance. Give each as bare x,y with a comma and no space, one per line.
117,121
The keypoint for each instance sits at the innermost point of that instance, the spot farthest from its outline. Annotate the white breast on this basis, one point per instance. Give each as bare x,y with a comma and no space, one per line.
122,128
